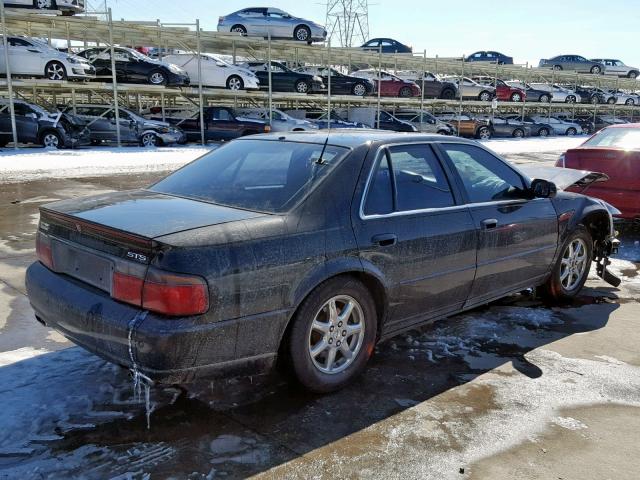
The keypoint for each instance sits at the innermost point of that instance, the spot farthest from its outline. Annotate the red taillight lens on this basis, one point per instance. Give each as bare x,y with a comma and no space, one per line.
174,294
162,292
220,19
127,288
43,250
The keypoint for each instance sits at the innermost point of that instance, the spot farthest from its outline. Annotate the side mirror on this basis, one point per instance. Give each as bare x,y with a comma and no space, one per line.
543,188
32,115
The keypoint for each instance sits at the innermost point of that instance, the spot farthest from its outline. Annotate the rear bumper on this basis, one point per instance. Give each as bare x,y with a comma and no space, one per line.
166,350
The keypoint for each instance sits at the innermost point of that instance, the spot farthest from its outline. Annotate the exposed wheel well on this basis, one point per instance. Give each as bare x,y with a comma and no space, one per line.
375,287
597,223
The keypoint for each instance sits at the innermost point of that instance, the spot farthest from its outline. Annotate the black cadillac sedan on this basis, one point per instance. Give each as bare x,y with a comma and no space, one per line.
305,245
134,67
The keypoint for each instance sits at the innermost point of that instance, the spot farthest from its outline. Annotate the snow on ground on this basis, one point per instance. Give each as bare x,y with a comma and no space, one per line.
37,163
533,145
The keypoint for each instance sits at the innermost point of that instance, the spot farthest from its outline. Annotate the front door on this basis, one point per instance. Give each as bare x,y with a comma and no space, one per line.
412,227
517,235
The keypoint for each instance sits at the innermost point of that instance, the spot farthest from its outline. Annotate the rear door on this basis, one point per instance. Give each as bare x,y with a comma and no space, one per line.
517,235
411,226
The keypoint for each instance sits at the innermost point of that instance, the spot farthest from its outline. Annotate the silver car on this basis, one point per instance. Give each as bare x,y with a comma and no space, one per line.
471,89
267,21
560,127
67,7
429,124
574,63
617,68
280,121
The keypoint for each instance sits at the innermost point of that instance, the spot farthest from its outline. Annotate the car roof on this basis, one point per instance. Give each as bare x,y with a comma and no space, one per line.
352,138
623,125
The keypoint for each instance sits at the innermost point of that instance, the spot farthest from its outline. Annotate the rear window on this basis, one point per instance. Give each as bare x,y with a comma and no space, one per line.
262,175
625,138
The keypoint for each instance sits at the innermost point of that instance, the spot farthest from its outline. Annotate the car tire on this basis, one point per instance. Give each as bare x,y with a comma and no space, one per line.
51,139
570,272
442,132
484,96
359,90
302,33
632,74
543,132
483,133
518,133
45,5
570,99
544,98
149,140
611,101
302,86
630,101
234,82
448,94
557,68
571,132
516,97
239,29
596,70
594,100
405,92
318,323
157,77
55,71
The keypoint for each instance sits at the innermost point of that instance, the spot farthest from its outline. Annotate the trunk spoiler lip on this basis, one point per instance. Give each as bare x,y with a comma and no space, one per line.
87,226
564,177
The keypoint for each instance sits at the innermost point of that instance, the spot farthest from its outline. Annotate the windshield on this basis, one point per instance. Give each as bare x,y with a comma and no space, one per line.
262,175
137,54
625,138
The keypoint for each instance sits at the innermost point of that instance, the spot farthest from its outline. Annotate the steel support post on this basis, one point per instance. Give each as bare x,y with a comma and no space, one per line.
12,111
200,95
114,79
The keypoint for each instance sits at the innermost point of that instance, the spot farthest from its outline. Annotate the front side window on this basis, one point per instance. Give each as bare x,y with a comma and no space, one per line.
485,177
222,114
261,175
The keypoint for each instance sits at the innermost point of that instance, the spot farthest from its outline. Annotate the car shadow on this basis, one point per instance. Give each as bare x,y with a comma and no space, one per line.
244,426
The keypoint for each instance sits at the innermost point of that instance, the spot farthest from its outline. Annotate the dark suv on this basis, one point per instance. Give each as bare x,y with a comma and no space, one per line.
36,125
220,123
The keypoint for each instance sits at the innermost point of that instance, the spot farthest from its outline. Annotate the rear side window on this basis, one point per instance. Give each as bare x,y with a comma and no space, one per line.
408,178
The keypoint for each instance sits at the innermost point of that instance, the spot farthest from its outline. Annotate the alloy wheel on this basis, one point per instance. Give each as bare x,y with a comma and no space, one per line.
517,133
302,87
543,132
336,334
50,140
573,264
157,78
44,4
485,96
149,140
55,71
630,101
359,90
484,133
234,83
516,97
302,34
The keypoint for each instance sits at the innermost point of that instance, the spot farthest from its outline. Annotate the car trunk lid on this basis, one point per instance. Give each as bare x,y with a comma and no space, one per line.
621,166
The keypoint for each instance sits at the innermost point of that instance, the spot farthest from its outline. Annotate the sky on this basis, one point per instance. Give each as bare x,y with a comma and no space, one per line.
526,30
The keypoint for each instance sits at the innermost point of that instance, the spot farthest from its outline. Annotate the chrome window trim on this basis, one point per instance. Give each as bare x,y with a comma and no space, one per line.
378,153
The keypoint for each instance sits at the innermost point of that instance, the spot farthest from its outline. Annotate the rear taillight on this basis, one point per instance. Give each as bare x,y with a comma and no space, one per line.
43,250
162,292
267,128
220,19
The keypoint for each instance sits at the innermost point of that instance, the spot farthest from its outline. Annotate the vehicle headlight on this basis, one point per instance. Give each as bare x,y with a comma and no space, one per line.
175,69
317,79
72,60
163,129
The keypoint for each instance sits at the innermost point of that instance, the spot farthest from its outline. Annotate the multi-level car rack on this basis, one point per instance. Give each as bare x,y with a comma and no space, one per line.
89,30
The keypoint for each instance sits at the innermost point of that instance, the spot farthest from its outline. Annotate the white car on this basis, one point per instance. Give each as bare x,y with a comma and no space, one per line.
471,89
560,94
280,121
67,7
617,68
32,57
560,127
215,71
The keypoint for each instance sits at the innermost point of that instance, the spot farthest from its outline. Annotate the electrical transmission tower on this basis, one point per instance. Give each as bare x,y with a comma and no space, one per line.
96,8
348,21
